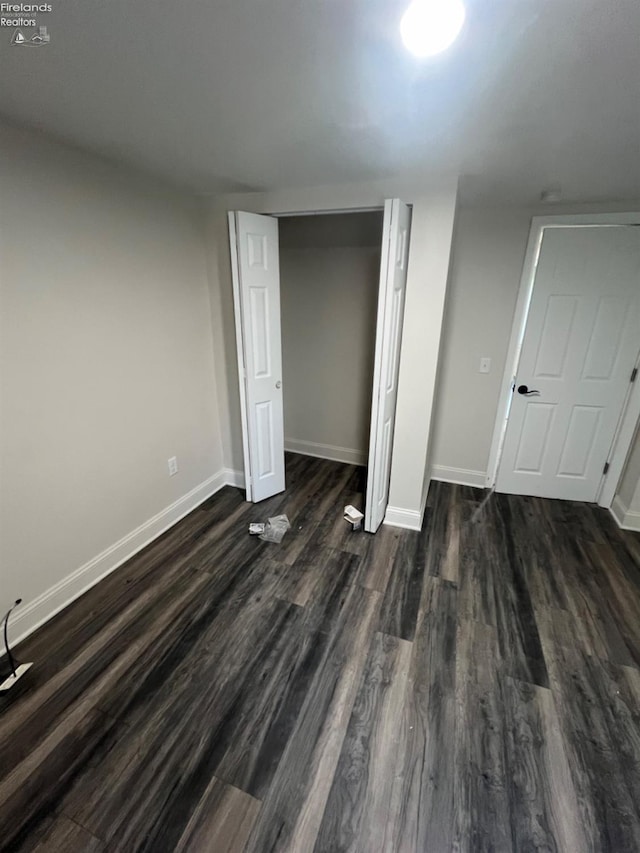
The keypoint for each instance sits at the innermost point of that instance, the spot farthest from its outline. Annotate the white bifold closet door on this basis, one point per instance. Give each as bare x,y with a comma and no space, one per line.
256,272
391,294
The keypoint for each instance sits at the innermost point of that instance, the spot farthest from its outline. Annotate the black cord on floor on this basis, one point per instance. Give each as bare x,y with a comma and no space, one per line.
12,663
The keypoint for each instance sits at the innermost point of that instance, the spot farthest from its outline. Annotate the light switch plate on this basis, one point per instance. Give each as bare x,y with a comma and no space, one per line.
485,365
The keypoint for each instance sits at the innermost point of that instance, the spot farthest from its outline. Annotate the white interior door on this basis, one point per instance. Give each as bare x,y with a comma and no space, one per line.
391,293
256,278
579,349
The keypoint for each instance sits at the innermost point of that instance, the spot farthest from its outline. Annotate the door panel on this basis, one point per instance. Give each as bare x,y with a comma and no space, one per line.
556,333
580,441
532,446
259,305
580,345
606,339
391,294
259,315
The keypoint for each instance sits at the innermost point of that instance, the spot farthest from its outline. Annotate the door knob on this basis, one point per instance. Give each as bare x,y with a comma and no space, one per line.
278,384
522,389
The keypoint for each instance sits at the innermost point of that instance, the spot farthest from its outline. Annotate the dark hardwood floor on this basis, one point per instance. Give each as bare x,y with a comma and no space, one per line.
472,687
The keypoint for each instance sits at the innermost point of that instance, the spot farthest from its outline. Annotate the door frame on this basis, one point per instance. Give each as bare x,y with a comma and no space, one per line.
237,311
242,361
630,415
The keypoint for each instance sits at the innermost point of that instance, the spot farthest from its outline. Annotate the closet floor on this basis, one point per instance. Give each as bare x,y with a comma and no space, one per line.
474,686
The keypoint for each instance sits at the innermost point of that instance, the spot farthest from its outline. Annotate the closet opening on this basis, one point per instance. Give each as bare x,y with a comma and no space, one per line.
319,310
329,281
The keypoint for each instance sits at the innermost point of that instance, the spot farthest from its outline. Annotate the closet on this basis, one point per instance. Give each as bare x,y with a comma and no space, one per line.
321,339
329,280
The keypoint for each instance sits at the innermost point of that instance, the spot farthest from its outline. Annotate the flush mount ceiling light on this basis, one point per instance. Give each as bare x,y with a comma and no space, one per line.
429,26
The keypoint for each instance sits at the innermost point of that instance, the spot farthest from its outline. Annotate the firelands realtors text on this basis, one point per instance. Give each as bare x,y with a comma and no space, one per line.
18,9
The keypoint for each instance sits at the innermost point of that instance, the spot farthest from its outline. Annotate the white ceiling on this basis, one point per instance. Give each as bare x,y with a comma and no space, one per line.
227,95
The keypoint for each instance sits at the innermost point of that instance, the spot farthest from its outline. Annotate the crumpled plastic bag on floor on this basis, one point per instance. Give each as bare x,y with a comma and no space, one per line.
275,529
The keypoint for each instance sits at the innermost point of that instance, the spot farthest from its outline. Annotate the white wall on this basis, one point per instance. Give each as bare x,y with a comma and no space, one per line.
106,353
432,227
626,504
328,302
629,489
488,254
224,340
428,274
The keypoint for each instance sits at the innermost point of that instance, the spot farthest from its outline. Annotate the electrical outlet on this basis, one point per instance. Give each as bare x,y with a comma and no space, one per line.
485,365
173,465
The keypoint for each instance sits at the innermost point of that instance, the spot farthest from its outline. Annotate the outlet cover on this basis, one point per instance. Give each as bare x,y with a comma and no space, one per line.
173,465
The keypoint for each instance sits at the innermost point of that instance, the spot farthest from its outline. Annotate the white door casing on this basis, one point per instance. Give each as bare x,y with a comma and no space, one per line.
580,344
391,297
256,276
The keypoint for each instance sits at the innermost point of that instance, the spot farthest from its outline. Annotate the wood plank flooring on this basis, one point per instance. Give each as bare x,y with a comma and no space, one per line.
471,687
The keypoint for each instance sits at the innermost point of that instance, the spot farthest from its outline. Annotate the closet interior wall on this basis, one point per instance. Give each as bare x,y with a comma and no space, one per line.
329,274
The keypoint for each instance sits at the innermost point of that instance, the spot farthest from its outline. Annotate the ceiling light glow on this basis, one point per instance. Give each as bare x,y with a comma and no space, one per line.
429,26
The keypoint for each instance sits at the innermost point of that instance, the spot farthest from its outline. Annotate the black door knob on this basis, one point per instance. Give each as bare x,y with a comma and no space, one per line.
522,389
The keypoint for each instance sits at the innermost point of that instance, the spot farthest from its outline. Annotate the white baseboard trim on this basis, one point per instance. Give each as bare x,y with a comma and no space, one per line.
234,477
326,451
461,476
410,519
57,597
626,519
